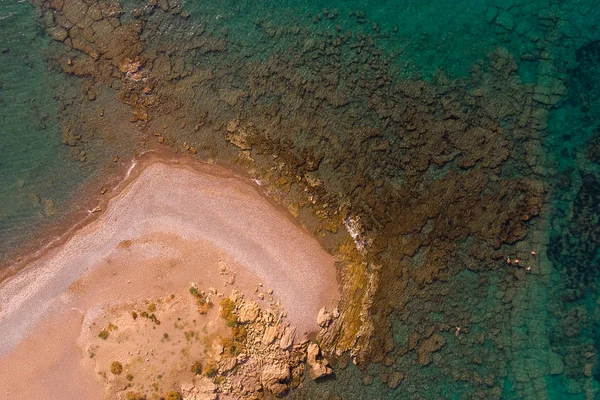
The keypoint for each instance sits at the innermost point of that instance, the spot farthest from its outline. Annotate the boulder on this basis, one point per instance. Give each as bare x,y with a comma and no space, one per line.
324,318
276,379
248,312
287,338
269,335
319,366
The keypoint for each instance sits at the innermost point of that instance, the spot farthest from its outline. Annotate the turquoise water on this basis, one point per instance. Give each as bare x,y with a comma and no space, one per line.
37,172
387,96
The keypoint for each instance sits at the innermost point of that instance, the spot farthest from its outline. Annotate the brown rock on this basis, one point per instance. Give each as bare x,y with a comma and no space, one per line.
269,335
249,312
319,366
276,379
287,338
324,318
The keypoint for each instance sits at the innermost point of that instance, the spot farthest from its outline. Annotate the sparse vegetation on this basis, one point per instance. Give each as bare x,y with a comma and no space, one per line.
189,335
112,327
166,336
172,395
197,368
152,307
151,317
217,380
116,368
129,377
103,334
134,315
204,303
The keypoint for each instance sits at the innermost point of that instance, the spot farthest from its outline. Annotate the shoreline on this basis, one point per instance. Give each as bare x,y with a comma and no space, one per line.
168,223
89,196
137,168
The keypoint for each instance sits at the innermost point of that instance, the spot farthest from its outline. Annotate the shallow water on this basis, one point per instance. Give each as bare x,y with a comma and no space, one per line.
379,102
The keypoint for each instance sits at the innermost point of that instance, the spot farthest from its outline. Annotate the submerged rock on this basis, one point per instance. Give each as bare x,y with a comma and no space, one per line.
428,347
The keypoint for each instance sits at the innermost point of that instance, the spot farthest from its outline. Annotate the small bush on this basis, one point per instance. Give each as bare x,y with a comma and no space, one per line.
166,336
172,395
232,347
194,292
129,377
116,368
134,315
228,312
210,369
134,396
103,334
152,307
239,333
111,327
197,368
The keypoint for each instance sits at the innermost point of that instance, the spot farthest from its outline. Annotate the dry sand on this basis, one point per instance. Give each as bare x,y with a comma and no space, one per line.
169,225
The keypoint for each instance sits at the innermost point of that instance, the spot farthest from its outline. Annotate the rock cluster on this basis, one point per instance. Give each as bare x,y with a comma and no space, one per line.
272,359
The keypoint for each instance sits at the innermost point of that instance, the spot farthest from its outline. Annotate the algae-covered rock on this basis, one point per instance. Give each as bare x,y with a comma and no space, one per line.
429,346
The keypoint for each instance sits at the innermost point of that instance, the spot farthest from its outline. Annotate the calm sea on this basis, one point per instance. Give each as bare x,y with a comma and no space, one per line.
526,336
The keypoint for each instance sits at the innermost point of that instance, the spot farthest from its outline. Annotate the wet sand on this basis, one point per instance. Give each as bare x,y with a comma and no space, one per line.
169,225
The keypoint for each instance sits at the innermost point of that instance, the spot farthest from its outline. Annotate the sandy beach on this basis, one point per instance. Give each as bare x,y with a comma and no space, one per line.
169,227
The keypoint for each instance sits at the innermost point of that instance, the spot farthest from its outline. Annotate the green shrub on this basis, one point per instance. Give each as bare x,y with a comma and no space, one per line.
103,334
194,292
116,368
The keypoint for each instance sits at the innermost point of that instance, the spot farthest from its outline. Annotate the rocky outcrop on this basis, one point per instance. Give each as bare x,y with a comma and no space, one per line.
276,379
202,389
319,366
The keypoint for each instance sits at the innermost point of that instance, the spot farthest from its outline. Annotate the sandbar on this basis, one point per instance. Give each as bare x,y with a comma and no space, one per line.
169,225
